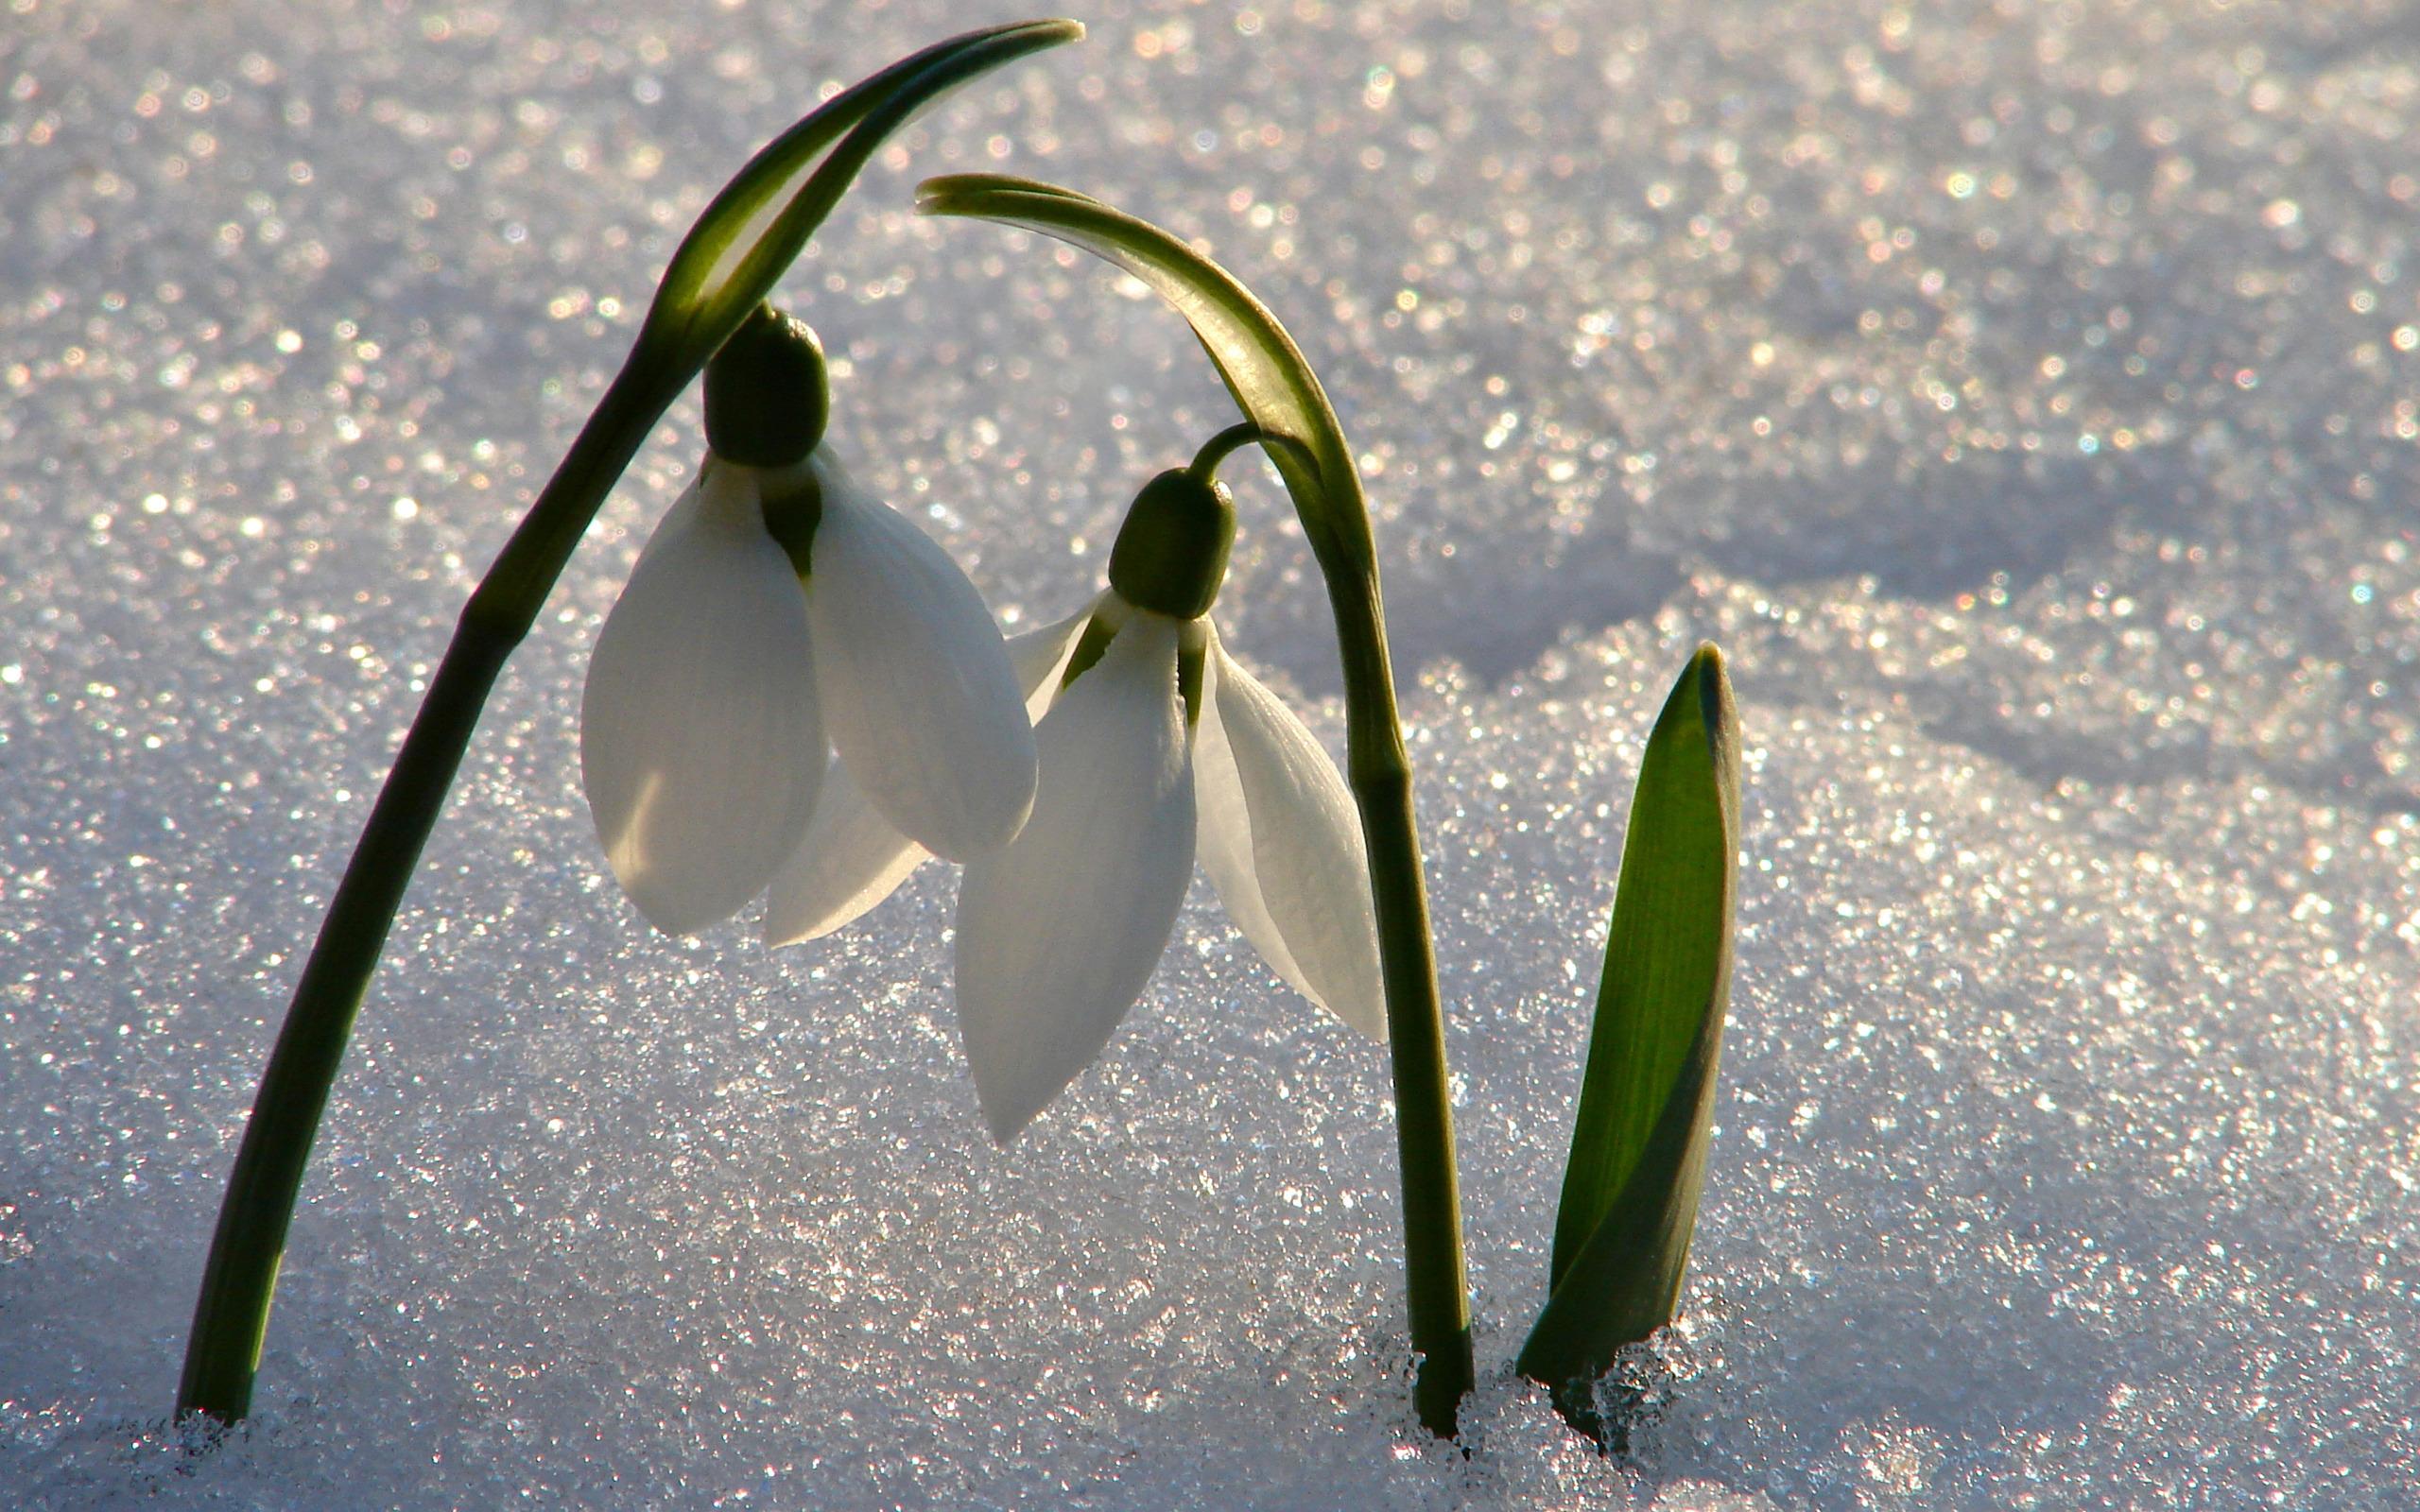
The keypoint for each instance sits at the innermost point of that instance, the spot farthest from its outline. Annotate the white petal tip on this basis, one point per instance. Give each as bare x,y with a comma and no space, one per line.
776,938
987,827
1368,1019
1005,1125
669,915
849,861
1059,933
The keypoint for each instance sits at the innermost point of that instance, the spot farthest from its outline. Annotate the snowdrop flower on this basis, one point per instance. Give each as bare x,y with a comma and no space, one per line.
1155,746
779,613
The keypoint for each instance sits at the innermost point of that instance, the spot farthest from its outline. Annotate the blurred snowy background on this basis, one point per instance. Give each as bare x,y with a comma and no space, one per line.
2024,394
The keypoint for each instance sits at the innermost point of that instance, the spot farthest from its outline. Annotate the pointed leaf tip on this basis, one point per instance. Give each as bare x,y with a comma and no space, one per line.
1711,678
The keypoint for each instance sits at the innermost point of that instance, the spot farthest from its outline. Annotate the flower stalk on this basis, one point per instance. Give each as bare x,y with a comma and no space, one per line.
743,243
1274,387
231,1318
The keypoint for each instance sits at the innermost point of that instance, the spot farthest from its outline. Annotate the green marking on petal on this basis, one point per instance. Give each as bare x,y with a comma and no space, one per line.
1089,649
793,506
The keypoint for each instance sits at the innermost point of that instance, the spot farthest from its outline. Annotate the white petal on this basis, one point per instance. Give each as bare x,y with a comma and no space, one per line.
1041,659
850,858
915,683
1282,841
725,482
1225,844
700,745
1058,933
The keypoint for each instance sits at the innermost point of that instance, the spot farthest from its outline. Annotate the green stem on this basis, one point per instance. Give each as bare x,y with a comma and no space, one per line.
729,261
231,1316
1216,451
1379,770
1437,1291
1276,389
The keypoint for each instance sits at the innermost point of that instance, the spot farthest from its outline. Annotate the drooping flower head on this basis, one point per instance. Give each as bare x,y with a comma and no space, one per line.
1155,747
778,614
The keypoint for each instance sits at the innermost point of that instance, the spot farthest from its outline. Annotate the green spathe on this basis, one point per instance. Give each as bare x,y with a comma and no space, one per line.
760,221
1638,1148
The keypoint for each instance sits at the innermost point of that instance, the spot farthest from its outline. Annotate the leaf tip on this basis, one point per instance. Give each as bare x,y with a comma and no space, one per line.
1709,673
1706,682
977,194
938,194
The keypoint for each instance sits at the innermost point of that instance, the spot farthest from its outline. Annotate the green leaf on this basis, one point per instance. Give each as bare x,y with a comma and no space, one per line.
761,220
1265,371
1629,1193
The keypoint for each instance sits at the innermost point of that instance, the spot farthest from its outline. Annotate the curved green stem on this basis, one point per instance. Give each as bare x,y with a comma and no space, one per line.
231,1316
1275,388
730,260
1216,451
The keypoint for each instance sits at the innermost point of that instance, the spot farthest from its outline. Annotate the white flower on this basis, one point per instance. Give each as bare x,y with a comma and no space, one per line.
1058,933
722,672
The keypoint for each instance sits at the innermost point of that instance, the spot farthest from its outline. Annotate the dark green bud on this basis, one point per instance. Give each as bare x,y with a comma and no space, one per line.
768,396
1172,552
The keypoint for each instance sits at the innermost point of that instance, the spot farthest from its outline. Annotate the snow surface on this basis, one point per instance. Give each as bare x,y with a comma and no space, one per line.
2023,394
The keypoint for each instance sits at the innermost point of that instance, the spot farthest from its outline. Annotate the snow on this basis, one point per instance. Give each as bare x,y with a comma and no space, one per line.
2023,395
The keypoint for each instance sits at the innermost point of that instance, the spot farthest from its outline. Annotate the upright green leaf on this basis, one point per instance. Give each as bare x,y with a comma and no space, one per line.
1629,1193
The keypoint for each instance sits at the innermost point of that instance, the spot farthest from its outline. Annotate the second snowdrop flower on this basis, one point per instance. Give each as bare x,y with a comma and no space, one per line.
1155,747
781,613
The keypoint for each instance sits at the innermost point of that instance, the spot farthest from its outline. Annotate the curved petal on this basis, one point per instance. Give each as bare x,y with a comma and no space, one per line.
850,858
1041,656
699,743
916,684
1224,843
1282,842
682,516
1058,933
